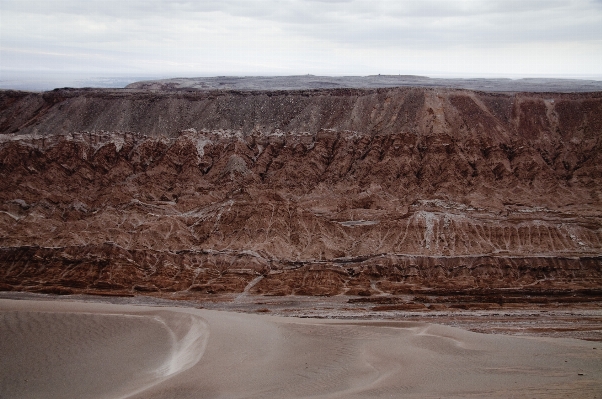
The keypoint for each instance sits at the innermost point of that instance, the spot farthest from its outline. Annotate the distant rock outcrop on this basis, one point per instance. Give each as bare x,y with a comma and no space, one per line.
304,82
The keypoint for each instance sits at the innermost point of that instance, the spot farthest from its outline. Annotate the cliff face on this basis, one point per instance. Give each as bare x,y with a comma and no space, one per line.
316,192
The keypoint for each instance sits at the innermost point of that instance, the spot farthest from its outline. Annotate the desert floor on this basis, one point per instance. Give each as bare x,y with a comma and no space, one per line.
77,349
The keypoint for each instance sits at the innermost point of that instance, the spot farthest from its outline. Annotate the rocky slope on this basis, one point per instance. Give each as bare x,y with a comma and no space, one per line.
359,192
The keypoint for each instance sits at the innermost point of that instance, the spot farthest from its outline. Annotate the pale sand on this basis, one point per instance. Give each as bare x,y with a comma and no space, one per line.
84,350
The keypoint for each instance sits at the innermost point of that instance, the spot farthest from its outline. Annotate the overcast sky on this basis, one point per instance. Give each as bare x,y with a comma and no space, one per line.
496,38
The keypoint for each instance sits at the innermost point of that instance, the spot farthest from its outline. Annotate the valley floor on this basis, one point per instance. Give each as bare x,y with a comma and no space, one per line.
88,347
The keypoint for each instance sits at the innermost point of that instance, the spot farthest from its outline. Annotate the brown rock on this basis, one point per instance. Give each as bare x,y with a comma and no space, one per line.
325,192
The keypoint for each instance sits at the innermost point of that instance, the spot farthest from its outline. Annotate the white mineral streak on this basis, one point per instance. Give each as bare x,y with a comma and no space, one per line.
353,223
200,147
429,222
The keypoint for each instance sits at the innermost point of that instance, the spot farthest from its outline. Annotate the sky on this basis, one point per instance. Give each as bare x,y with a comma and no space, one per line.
129,39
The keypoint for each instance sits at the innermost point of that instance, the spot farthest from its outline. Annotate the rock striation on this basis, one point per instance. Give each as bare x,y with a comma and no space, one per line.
315,192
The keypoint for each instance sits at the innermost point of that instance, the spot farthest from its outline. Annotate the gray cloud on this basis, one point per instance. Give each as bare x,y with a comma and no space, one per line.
161,37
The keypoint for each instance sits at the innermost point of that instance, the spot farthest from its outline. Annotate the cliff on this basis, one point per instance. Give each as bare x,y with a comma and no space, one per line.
319,192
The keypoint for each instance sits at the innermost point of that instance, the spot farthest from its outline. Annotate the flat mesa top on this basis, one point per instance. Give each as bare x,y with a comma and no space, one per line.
304,82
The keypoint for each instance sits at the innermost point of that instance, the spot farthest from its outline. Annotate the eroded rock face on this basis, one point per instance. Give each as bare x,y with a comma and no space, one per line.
314,192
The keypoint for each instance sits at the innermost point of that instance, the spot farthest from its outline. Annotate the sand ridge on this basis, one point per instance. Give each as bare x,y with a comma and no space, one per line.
199,353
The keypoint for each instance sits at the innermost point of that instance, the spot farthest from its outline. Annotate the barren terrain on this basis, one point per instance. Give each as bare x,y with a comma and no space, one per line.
430,197
67,349
303,82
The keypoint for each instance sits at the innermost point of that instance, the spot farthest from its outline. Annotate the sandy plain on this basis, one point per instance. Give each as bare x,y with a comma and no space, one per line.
61,349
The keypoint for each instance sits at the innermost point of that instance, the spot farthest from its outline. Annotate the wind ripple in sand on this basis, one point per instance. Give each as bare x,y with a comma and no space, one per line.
189,335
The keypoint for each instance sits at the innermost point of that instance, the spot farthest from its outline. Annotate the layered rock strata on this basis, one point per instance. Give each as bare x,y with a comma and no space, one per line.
326,192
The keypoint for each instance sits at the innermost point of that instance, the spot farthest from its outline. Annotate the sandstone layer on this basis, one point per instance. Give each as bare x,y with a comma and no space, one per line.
325,192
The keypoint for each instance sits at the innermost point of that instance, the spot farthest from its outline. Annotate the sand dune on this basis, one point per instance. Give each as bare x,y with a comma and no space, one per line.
80,350
70,350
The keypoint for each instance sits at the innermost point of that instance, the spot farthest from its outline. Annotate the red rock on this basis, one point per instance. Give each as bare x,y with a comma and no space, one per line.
319,192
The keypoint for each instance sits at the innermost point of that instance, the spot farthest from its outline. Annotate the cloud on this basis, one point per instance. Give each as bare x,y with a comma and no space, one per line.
302,36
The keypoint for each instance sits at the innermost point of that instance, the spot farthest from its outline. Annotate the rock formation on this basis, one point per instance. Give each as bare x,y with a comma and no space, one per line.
325,192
